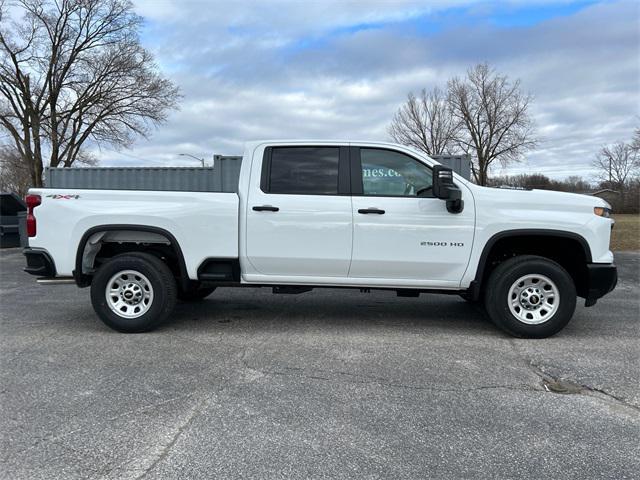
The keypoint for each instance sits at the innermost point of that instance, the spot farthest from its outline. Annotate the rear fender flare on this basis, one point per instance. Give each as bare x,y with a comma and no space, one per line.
83,280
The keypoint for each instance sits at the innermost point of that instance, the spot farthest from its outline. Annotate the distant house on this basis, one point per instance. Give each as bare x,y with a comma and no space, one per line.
611,196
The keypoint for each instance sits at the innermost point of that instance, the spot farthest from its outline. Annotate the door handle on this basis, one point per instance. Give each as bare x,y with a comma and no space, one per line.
377,211
265,208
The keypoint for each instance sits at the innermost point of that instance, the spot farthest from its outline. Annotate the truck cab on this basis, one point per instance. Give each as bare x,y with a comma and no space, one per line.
351,215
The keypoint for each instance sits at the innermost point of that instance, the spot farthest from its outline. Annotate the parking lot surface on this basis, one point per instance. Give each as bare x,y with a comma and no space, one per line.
326,384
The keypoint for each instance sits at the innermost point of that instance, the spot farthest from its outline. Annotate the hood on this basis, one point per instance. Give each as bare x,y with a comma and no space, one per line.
541,197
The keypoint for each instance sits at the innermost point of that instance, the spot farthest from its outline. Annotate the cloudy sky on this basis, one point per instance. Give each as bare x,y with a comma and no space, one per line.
338,69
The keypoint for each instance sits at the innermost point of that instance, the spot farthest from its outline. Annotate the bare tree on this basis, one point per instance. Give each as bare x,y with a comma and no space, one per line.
496,125
73,72
635,140
426,123
573,183
15,175
617,164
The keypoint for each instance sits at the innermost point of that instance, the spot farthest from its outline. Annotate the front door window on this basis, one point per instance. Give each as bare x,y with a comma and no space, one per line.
393,174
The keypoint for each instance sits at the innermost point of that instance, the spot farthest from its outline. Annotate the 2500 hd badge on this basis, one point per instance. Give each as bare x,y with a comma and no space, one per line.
441,244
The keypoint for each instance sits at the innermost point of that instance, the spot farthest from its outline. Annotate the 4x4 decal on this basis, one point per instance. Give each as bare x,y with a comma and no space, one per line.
63,197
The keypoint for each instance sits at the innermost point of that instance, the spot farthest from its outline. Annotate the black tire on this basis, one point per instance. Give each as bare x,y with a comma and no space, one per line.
505,275
162,287
195,293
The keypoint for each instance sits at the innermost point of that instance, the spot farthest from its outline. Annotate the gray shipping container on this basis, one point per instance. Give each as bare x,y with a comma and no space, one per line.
222,177
461,164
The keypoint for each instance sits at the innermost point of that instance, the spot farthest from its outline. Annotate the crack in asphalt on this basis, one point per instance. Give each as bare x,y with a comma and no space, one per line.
195,412
362,379
565,386
550,383
55,438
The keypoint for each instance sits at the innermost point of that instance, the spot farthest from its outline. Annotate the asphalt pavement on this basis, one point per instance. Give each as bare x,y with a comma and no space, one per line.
326,384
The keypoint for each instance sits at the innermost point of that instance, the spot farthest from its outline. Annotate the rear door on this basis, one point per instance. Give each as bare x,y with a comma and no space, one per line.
400,230
299,220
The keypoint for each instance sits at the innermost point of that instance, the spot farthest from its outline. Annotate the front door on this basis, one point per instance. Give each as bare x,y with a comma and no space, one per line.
299,221
400,230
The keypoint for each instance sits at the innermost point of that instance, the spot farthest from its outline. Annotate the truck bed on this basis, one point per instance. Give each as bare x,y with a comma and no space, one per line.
205,224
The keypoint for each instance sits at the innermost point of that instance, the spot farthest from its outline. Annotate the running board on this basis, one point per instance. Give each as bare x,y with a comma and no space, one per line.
56,281
291,289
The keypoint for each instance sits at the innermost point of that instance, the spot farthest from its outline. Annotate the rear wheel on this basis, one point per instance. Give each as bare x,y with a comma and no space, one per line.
530,296
133,292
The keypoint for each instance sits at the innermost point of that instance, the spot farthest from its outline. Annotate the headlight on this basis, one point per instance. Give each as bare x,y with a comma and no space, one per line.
602,211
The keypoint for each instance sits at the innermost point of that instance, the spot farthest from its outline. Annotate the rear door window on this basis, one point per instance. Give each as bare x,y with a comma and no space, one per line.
304,170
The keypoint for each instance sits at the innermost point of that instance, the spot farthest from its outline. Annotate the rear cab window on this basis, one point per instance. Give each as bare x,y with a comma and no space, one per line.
305,170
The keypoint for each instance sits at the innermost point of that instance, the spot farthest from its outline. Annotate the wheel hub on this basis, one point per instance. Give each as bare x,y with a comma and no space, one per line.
533,299
530,298
129,294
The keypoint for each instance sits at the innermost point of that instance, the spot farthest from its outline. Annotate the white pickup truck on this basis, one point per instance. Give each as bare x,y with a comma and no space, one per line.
328,214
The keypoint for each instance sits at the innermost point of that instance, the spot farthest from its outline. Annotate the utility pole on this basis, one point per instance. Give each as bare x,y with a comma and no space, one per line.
201,160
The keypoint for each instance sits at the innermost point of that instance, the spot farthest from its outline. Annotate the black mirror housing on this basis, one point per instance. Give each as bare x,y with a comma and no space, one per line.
445,189
442,181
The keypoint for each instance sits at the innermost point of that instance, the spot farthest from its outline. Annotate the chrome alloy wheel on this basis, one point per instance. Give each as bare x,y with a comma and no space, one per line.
534,299
129,294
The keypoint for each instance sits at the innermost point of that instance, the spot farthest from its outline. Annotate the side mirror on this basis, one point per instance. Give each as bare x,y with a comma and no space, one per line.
445,189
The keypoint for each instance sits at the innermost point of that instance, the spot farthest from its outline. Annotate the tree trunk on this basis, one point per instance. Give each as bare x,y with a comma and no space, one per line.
37,151
482,173
483,178
38,181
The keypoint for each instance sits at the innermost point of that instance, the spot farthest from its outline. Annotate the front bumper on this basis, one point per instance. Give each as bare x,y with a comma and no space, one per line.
601,279
39,263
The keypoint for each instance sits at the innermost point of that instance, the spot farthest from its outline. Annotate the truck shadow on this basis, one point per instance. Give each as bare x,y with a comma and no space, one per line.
251,310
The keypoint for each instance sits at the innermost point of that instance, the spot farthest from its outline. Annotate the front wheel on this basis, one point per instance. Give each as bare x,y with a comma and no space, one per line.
530,296
133,292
